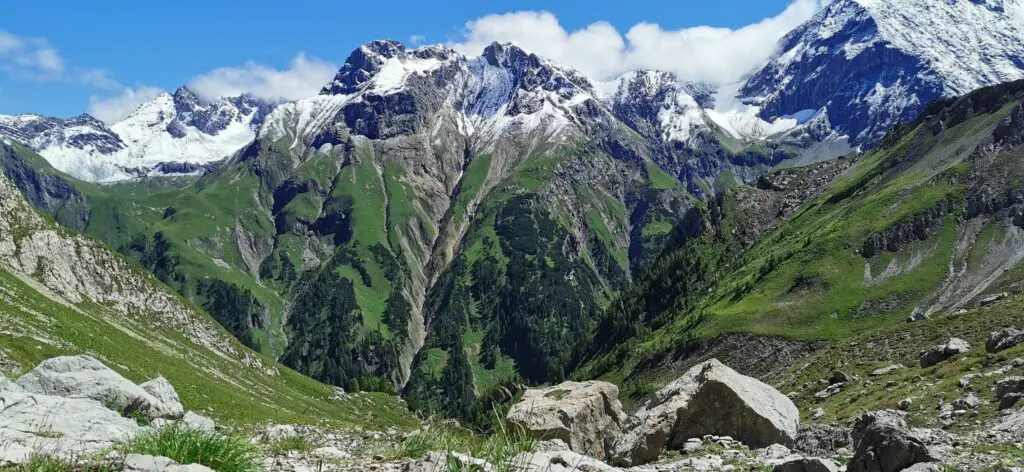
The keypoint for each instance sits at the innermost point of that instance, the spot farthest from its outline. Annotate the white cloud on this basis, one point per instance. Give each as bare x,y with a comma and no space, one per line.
303,78
36,60
118,107
702,53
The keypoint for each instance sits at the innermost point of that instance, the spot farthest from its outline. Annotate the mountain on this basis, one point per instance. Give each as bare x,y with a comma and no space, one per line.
870,64
67,294
927,225
172,134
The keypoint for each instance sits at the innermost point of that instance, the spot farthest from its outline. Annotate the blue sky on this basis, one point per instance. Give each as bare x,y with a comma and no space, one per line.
65,57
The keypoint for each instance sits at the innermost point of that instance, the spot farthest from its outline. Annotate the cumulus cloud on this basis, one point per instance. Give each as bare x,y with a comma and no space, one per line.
303,77
36,60
702,53
118,107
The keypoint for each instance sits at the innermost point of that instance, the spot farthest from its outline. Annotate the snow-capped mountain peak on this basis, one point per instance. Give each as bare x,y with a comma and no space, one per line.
873,63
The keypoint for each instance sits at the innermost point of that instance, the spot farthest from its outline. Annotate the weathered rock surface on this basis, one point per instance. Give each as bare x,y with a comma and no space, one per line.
144,463
1004,339
7,386
887,369
942,352
199,422
1009,391
46,424
438,461
167,405
585,415
807,464
558,461
1013,424
822,439
883,442
85,377
710,398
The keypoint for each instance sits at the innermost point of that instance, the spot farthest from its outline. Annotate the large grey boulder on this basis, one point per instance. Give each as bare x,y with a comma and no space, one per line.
1004,339
86,377
1013,424
937,354
883,443
45,424
585,415
167,405
822,439
198,422
710,398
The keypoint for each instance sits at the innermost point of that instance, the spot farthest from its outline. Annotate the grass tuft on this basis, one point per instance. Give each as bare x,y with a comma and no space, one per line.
47,463
282,446
189,446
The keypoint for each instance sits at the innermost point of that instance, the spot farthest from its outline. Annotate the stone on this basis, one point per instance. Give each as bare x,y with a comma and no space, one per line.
1013,424
917,315
840,377
990,299
46,424
557,461
817,414
1009,391
965,380
330,453
167,405
198,422
829,391
551,445
905,404
146,463
585,415
807,464
821,439
710,398
278,431
86,377
925,467
969,402
942,352
1003,339
887,369
437,461
774,452
883,442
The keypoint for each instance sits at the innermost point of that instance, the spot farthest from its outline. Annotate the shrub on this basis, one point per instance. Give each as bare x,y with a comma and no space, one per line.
189,446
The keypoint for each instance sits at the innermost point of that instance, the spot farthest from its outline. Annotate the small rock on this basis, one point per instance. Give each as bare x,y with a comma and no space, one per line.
942,352
905,404
840,377
887,369
970,402
198,422
924,467
773,452
829,391
1009,391
917,315
990,299
167,405
817,414
330,453
965,380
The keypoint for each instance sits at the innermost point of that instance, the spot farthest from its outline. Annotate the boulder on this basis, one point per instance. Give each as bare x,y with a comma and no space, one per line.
144,463
46,424
925,467
557,461
1013,424
167,405
85,377
710,398
198,422
807,464
937,354
883,443
437,461
1003,339
821,439
969,402
585,415
1009,391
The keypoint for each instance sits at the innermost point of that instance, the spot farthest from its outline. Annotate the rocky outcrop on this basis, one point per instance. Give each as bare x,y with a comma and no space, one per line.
942,352
558,461
710,398
1011,131
47,424
822,439
585,415
883,443
144,463
85,377
7,386
918,228
167,404
1003,339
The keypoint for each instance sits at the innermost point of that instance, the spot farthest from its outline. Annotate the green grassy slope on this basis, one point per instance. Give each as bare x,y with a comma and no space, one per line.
818,276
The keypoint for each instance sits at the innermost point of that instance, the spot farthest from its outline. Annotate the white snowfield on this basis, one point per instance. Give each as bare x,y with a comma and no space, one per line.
965,44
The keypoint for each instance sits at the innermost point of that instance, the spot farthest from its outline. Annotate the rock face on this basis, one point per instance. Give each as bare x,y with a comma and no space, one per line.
1009,391
710,398
821,439
8,386
1003,339
85,377
144,463
31,423
585,415
883,442
942,352
558,461
167,405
